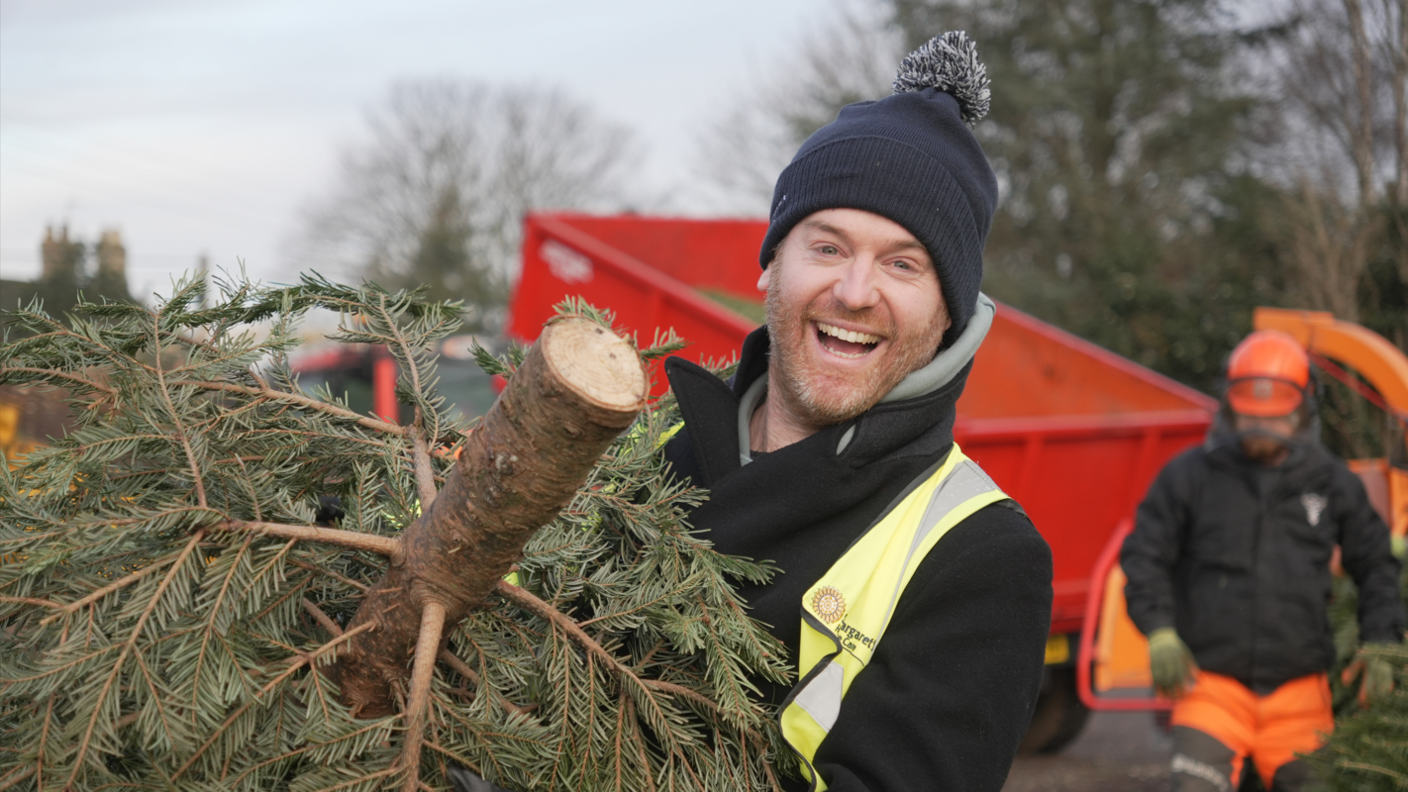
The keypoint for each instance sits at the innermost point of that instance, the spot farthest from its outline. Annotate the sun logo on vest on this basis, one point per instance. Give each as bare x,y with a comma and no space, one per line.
1314,506
829,604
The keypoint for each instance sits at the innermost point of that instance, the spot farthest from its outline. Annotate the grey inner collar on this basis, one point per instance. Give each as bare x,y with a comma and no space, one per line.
751,398
937,373
946,365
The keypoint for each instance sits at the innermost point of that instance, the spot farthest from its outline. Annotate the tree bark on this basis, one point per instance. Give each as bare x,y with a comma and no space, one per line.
1362,127
577,389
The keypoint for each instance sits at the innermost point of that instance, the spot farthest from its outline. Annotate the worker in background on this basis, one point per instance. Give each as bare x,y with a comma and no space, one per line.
913,596
1229,577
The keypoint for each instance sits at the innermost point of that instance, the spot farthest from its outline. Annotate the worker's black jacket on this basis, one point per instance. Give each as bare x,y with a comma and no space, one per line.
1236,557
950,689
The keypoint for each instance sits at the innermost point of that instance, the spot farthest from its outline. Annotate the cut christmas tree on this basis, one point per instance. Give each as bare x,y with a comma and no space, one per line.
184,609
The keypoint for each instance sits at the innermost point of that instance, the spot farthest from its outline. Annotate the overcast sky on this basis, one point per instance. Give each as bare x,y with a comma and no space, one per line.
202,127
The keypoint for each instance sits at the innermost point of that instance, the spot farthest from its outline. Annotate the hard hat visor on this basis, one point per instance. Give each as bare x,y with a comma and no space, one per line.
1264,397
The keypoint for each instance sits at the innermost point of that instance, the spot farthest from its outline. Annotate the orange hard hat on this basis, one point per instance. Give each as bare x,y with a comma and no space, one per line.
1267,375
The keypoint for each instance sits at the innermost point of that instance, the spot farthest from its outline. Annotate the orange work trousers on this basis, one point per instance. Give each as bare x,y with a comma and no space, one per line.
1294,718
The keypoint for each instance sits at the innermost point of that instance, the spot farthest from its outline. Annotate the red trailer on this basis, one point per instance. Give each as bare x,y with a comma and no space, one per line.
1073,432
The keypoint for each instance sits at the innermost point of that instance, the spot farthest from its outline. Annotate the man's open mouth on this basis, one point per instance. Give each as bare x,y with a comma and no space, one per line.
845,343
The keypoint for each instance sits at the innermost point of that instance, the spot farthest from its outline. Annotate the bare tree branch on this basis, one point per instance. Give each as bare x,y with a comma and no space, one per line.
321,618
425,472
352,540
436,197
432,625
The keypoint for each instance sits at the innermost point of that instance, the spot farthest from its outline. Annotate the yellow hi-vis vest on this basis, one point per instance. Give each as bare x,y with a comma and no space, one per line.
845,613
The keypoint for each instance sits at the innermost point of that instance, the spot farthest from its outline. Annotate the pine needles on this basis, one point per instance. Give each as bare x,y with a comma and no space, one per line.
153,640
1368,751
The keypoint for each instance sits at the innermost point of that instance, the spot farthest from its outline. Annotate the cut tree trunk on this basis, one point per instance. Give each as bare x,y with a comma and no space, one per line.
577,389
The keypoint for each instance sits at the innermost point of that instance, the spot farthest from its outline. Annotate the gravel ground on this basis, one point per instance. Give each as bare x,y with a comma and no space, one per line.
1116,752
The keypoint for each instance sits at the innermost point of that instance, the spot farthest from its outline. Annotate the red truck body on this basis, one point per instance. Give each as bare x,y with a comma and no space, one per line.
1071,431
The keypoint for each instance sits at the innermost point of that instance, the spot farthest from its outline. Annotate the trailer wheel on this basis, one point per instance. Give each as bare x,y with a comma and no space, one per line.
1059,714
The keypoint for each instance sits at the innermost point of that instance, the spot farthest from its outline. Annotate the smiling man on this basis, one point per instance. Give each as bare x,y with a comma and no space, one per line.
913,596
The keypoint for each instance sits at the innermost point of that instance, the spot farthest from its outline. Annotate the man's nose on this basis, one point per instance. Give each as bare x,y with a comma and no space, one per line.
855,287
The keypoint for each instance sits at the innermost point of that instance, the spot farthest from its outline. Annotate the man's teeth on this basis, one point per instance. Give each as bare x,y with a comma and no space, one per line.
848,335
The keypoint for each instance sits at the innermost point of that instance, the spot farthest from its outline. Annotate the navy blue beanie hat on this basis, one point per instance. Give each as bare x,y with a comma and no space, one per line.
910,157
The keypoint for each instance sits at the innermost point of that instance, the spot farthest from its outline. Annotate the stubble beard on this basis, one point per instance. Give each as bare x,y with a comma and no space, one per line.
800,385
1264,449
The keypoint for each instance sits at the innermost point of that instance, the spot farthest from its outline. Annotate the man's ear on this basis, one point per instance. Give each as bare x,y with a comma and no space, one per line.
765,279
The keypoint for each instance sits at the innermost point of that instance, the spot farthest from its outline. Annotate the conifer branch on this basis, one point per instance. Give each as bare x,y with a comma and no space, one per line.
84,381
255,433
371,726
248,484
329,573
425,473
432,624
175,417
17,775
111,587
291,592
322,618
198,655
400,337
352,540
302,400
302,659
167,470
210,630
152,688
459,666
1398,778
117,359
87,739
630,707
32,601
462,668
762,747
527,600
44,742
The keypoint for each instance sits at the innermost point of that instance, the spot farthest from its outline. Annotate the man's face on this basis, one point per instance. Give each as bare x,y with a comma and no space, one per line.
1266,440
853,307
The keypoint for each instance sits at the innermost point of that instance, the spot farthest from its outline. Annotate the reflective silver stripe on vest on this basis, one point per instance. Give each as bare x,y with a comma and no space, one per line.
821,698
966,481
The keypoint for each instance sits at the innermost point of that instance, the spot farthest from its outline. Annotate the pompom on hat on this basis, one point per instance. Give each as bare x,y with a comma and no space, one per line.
910,157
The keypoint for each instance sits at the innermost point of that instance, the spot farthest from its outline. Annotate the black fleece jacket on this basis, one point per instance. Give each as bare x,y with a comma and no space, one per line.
950,689
1236,557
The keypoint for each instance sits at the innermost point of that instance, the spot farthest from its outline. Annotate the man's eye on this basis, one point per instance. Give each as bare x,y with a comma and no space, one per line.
829,250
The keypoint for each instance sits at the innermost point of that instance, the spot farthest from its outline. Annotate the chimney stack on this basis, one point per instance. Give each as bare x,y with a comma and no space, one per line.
112,257
52,252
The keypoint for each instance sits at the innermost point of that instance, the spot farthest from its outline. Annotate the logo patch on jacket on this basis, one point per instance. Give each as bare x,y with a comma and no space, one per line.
1314,506
829,604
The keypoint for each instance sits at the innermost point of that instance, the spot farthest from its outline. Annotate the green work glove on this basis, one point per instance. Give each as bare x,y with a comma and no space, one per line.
1376,673
1170,662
